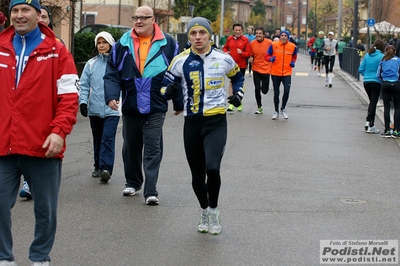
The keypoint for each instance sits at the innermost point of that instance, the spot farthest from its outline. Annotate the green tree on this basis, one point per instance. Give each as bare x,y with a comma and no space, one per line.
202,8
228,18
258,8
257,20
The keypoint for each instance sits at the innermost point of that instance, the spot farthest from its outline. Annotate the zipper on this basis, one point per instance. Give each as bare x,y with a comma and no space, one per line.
21,61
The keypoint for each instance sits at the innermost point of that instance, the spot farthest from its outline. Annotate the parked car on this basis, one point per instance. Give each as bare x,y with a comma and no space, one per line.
96,28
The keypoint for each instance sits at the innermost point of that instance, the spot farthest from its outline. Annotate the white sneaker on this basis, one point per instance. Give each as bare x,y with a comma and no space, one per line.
284,114
129,191
152,200
203,223
319,74
275,116
7,263
40,263
215,226
366,125
373,130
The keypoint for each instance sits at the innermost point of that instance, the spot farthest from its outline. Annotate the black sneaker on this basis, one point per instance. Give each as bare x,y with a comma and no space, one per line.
396,134
387,134
105,176
96,173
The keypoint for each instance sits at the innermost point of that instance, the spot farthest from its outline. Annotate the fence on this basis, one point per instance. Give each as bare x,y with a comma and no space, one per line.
351,61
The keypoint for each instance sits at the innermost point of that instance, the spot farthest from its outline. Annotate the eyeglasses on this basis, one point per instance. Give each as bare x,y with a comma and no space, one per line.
142,18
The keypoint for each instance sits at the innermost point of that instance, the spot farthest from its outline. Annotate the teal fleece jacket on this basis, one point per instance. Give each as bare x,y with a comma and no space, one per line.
369,66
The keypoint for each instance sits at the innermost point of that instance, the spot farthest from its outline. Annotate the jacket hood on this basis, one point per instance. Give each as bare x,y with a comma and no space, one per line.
376,53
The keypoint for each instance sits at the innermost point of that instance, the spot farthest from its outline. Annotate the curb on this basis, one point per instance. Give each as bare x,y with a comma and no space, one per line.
359,88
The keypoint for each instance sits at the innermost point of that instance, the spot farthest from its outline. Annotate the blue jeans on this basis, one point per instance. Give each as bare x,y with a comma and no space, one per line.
43,176
103,132
143,145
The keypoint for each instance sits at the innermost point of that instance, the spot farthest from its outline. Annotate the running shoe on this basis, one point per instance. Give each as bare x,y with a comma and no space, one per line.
275,116
373,130
396,134
387,134
319,74
203,223
215,226
25,191
240,108
7,263
96,173
105,176
259,111
152,200
129,191
230,108
40,263
284,114
366,125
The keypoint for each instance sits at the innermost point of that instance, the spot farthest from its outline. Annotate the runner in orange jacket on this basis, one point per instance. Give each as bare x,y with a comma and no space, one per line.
283,55
261,67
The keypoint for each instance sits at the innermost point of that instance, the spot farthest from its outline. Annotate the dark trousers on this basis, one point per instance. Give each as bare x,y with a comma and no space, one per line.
205,139
250,65
391,91
103,132
261,84
329,63
340,60
43,176
143,145
276,81
373,90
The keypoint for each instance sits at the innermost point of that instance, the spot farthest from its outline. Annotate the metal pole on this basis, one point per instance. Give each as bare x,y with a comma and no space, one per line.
368,28
315,17
298,19
221,26
340,14
283,14
355,26
306,20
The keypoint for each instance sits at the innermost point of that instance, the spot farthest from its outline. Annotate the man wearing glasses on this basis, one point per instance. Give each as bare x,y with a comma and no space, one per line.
136,68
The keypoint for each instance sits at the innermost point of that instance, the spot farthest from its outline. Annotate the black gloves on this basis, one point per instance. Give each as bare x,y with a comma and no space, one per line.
236,99
171,90
83,108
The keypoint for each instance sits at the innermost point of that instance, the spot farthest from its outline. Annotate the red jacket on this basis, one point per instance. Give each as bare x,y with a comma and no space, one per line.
310,44
45,101
231,46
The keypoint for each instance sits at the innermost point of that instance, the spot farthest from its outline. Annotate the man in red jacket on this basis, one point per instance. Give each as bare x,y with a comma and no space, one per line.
39,103
237,45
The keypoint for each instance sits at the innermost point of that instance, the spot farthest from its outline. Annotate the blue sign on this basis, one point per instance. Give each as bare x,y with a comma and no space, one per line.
371,22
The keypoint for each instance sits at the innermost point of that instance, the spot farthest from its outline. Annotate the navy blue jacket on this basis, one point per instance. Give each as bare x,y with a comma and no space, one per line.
140,93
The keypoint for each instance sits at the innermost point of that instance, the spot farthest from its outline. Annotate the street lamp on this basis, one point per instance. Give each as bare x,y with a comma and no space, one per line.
191,10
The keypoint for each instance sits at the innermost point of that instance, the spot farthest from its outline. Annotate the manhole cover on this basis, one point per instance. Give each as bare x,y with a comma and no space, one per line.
353,201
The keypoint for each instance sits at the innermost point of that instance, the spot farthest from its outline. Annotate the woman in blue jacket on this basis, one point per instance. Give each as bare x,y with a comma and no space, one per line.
389,74
372,84
103,120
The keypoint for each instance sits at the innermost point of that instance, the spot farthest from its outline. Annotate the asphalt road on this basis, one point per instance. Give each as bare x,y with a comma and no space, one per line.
286,185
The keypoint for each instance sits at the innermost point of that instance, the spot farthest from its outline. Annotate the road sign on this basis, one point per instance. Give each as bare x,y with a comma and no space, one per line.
371,22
